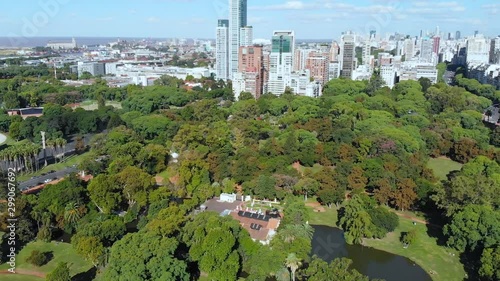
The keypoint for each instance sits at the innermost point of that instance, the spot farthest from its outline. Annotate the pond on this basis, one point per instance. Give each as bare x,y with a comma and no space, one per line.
328,243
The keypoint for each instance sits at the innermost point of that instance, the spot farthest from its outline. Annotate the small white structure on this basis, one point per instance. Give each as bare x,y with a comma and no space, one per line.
226,197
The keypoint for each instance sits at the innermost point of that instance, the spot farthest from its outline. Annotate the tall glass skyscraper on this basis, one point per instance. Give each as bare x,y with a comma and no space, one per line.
237,20
281,61
222,50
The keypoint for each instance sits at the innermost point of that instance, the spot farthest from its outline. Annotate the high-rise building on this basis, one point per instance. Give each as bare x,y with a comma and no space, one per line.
334,52
457,35
495,50
281,61
409,48
367,52
478,50
250,64
426,50
347,55
222,50
246,36
300,58
476,33
237,20
317,64
436,45
388,73
373,34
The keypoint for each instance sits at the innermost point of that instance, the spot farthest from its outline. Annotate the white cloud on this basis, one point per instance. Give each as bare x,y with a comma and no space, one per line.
153,20
104,19
290,5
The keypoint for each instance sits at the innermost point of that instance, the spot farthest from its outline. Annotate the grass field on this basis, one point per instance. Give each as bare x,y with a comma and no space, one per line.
442,261
68,162
92,104
328,217
425,252
443,166
62,252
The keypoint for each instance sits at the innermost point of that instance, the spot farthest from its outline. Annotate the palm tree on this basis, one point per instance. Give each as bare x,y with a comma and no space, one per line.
291,232
72,213
293,262
51,145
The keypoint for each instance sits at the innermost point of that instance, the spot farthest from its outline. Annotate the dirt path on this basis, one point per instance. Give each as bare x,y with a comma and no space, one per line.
25,272
415,219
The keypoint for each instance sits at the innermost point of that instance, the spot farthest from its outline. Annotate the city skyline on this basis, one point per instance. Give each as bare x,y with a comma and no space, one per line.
319,19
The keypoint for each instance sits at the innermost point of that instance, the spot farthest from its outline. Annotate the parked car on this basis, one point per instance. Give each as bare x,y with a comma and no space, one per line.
47,180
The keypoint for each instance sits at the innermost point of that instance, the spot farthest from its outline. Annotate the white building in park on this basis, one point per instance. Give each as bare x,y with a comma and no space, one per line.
226,197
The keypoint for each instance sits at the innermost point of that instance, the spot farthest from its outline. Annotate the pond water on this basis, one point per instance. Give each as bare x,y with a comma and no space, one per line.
328,243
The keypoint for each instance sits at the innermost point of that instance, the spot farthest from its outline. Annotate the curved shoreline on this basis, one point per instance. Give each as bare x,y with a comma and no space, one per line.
3,138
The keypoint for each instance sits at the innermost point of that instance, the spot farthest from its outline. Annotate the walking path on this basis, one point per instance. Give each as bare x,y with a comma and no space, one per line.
415,219
25,272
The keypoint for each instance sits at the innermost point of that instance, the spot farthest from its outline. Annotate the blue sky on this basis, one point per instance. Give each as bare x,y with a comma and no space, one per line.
197,18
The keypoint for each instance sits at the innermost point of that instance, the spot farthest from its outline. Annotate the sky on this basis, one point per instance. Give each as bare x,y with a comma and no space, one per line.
310,19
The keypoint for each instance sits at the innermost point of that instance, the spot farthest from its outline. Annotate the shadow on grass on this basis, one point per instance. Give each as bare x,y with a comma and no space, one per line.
471,264
85,276
436,221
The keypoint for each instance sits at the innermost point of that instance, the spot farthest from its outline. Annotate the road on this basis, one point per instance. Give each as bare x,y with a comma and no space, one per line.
40,179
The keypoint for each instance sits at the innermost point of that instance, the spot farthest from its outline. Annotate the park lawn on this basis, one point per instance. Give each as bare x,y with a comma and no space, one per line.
425,252
68,162
92,104
443,166
328,217
314,169
63,252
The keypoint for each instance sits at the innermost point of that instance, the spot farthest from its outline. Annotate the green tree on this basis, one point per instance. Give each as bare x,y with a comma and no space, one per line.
355,221
476,226
293,262
37,258
145,256
490,263
90,248
319,270
306,186
409,237
60,273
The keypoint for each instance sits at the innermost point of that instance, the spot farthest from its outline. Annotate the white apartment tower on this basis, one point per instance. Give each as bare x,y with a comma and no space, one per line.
478,50
237,20
246,36
281,61
222,50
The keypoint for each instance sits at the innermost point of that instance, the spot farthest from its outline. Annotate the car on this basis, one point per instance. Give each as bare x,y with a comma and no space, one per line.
39,183
47,180
33,177
52,171
43,174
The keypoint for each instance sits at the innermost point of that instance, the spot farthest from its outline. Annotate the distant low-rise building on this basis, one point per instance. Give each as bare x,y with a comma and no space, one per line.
94,68
26,112
62,45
